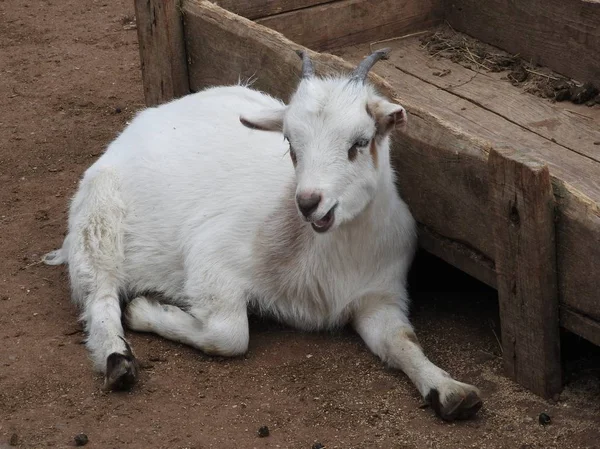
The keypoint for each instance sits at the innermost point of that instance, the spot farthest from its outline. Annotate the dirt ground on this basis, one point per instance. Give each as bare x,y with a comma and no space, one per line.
69,81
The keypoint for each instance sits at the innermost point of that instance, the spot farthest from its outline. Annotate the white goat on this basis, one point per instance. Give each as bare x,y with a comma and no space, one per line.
194,215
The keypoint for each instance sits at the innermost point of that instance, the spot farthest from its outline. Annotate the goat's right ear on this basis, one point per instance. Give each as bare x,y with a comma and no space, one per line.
266,120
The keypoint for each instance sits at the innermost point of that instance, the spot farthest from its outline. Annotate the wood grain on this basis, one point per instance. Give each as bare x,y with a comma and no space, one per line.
348,22
256,9
162,50
523,228
563,35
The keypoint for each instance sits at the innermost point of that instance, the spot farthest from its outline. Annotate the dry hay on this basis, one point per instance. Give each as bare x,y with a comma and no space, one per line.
477,56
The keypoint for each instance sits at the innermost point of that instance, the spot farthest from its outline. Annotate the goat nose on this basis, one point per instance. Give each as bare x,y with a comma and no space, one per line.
308,202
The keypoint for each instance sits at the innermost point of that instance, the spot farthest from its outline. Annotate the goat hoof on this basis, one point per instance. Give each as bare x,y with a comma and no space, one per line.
121,372
459,404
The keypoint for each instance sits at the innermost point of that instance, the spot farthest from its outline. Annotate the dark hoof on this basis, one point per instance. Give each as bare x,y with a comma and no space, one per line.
121,372
458,407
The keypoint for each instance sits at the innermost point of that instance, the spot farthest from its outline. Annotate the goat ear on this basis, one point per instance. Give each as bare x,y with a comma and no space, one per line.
387,115
265,120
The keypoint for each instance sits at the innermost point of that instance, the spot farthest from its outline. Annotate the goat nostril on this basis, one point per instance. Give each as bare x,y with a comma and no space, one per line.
308,203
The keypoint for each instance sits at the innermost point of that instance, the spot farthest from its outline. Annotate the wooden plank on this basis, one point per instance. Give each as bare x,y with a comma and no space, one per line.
162,50
563,35
255,9
576,127
578,235
458,255
440,161
580,325
523,216
239,49
348,22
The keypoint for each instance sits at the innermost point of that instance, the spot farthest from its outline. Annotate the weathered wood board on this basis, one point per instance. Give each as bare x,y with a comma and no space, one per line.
162,50
561,34
347,22
522,208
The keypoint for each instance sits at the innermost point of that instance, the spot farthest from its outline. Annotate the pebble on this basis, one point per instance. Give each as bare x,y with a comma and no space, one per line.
263,432
318,446
544,419
81,439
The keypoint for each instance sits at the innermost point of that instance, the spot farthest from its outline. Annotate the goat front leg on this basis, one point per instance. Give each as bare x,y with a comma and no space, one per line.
386,330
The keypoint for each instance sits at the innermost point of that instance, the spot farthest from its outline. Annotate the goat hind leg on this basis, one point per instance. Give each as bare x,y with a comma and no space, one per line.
95,259
218,330
110,352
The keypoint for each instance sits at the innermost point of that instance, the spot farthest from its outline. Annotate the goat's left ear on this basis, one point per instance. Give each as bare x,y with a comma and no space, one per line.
265,120
387,115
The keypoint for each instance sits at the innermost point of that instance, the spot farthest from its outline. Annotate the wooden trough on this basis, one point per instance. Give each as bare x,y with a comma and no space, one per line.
504,185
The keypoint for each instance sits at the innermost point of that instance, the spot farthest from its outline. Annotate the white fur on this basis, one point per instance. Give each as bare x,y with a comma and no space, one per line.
191,207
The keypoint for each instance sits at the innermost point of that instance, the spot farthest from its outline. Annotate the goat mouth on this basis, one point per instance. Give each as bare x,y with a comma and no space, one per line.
323,224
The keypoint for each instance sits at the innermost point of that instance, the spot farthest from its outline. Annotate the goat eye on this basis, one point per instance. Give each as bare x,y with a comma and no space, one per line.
353,151
293,156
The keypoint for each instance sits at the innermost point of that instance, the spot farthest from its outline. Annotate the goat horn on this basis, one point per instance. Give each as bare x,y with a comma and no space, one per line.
307,66
360,73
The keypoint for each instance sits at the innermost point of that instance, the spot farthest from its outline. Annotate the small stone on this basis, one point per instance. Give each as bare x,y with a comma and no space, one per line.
595,143
318,446
81,439
544,419
263,432
118,110
14,439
